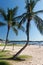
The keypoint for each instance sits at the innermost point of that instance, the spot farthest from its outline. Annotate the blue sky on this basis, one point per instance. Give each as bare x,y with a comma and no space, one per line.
34,33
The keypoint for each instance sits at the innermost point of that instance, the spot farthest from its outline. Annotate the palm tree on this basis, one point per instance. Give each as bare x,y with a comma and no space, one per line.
27,17
11,21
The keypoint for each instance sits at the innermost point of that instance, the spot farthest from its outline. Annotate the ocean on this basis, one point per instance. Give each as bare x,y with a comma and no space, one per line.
30,42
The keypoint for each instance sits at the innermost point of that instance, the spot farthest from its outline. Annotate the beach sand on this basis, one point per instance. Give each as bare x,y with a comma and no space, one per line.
32,50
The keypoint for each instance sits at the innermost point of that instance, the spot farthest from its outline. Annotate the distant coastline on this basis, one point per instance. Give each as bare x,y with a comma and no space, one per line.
24,41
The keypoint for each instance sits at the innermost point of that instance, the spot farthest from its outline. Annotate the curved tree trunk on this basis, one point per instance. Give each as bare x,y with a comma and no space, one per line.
6,39
27,32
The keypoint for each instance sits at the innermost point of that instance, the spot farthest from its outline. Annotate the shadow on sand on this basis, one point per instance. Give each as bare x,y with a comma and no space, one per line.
15,59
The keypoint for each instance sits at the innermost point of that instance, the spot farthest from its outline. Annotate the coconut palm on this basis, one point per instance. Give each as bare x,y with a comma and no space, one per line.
10,20
27,17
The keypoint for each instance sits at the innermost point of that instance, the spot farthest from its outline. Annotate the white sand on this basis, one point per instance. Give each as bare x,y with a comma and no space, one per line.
35,51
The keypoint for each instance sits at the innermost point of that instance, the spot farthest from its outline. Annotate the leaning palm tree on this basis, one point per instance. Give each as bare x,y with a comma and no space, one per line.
10,20
27,17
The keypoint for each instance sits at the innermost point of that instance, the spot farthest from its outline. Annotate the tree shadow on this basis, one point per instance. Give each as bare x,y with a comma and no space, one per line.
15,59
4,63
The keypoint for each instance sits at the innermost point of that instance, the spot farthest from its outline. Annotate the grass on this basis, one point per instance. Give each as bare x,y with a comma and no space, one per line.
2,44
24,56
4,63
7,44
5,55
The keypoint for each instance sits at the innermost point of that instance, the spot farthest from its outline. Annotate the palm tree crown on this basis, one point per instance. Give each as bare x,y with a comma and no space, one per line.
9,18
30,14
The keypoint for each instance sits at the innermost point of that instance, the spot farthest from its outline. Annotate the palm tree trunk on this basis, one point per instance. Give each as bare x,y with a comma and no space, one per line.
6,39
27,32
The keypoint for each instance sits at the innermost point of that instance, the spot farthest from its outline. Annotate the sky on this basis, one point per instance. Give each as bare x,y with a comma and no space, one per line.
34,34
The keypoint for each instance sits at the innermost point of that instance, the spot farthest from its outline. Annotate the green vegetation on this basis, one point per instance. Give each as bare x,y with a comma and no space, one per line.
12,44
4,63
7,44
5,54
25,56
2,44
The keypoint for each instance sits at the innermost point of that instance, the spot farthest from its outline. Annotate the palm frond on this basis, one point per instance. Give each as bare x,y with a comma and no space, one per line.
26,1
33,3
37,12
21,28
30,4
2,24
2,12
19,17
39,23
15,24
15,30
22,21
14,10
9,13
